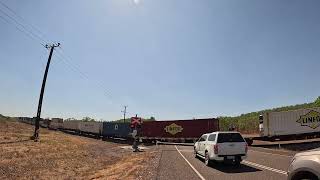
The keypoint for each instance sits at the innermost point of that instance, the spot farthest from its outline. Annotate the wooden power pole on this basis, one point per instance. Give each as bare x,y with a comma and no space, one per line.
124,113
37,120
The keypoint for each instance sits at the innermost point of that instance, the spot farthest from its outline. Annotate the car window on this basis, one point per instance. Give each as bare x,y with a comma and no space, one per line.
204,138
212,137
229,137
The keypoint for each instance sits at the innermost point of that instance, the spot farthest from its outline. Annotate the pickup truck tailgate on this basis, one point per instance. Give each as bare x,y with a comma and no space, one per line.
231,144
231,148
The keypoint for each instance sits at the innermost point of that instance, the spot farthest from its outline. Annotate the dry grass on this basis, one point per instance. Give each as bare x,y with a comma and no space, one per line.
64,156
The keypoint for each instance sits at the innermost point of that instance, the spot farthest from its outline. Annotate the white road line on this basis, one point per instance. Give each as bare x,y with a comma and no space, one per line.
265,167
281,150
188,151
194,169
271,153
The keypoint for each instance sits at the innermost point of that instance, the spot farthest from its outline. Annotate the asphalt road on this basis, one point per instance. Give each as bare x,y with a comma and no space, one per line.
178,162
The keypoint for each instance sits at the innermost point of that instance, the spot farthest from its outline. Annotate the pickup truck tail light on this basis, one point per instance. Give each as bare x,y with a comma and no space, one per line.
215,148
246,148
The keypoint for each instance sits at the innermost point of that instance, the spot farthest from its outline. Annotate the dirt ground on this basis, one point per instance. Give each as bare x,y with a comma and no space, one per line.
64,156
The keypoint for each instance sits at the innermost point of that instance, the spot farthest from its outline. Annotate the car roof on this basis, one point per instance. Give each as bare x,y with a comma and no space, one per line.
217,132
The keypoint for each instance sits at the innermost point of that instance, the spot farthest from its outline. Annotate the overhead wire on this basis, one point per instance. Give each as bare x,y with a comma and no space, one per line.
42,38
21,30
75,68
16,22
42,35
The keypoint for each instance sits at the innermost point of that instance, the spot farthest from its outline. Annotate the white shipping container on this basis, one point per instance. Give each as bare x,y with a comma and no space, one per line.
91,127
57,120
71,125
55,125
291,122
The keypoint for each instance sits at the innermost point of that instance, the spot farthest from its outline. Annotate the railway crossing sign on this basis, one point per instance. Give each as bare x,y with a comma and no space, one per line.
136,122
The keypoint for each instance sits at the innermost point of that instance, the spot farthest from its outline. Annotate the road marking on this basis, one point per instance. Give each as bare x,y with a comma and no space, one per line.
281,150
271,153
194,169
188,151
265,167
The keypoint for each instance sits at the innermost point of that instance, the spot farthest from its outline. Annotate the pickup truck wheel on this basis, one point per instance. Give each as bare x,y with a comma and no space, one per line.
305,175
207,159
237,161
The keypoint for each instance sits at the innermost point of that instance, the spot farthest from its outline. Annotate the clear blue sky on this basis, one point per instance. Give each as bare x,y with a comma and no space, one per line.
172,59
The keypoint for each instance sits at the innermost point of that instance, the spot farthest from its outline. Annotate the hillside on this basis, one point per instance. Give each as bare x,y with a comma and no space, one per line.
2,118
248,123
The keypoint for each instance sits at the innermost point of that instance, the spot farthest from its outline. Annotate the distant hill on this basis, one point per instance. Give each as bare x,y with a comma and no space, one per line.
249,123
4,118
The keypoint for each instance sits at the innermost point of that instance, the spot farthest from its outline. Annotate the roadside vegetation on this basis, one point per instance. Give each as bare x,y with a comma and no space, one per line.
128,120
249,123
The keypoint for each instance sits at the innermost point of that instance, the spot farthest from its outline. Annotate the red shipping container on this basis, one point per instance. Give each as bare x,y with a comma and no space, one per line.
181,129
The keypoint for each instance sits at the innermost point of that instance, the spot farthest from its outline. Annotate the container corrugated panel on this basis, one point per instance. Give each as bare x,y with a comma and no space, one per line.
291,122
55,125
91,127
57,120
71,125
179,128
112,129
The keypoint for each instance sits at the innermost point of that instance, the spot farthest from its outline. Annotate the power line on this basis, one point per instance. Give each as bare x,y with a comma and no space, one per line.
69,60
23,19
24,30
23,26
65,59
76,69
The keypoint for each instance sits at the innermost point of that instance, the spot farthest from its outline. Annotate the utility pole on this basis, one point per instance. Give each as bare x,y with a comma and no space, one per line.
36,129
124,113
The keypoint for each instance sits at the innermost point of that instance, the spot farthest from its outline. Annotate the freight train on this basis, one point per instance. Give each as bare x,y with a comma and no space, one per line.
150,131
288,125
178,130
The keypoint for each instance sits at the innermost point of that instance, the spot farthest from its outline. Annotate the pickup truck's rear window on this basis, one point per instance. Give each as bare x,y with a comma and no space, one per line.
229,137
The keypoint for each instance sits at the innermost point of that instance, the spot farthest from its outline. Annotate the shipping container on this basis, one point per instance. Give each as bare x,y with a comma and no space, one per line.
178,130
44,123
26,120
56,123
57,120
296,122
90,127
72,125
119,130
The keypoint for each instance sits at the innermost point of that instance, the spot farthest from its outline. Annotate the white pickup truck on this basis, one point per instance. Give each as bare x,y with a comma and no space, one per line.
221,146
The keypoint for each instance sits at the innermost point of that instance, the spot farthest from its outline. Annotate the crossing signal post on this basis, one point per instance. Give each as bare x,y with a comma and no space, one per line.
136,123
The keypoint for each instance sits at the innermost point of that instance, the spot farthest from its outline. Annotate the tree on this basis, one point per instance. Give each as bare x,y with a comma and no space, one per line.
152,118
87,119
317,101
71,119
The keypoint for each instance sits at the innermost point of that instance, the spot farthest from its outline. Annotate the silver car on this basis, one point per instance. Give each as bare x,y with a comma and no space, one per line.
305,165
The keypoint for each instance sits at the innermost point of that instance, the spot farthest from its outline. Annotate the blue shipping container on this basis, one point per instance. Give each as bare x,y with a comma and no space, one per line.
121,130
